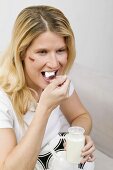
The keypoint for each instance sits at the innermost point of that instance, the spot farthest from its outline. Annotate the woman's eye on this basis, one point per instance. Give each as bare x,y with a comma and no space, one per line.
42,52
61,51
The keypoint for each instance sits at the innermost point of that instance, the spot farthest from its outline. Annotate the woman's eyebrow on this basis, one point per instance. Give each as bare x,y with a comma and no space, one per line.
40,48
62,47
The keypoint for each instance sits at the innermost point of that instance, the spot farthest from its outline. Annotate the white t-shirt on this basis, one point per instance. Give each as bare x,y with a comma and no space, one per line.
53,140
8,118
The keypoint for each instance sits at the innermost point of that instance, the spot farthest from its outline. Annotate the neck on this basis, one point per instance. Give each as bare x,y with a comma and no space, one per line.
36,94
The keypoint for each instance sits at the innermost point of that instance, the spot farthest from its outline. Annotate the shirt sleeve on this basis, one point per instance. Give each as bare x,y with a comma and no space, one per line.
71,88
6,118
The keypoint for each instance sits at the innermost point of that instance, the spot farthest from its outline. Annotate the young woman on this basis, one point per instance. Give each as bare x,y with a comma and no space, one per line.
37,99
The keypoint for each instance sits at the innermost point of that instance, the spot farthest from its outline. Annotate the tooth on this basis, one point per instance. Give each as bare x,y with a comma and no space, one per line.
49,74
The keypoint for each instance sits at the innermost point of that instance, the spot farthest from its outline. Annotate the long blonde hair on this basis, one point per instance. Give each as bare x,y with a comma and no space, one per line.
30,23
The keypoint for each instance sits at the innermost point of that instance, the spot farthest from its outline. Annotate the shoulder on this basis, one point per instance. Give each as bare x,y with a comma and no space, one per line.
6,110
4,99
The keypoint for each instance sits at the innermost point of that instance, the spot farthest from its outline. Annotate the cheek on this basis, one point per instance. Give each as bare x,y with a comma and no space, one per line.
30,66
29,63
63,60
32,63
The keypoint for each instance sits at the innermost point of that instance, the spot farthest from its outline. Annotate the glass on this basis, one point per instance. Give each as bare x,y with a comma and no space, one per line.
75,142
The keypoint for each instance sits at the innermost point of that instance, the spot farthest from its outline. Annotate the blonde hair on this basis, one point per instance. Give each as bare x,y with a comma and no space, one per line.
30,23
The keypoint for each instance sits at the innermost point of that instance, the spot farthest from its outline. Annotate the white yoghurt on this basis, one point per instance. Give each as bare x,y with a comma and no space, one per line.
49,74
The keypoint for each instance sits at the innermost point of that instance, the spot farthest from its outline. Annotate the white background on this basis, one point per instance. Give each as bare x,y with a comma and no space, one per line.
91,20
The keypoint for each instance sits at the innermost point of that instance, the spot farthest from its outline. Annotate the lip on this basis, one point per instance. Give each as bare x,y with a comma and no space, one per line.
50,70
47,79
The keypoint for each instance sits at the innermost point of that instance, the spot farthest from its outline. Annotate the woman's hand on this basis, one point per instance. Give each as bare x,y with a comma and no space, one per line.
55,92
87,151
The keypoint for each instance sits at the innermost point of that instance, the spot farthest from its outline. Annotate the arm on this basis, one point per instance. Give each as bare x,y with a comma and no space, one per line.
23,156
77,115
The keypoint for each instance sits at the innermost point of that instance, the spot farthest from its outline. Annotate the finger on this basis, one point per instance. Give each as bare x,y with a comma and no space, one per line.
85,158
88,152
58,81
91,158
63,90
89,144
64,145
65,87
88,158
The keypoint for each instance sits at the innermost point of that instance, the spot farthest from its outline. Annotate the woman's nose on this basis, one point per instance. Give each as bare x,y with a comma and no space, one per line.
53,62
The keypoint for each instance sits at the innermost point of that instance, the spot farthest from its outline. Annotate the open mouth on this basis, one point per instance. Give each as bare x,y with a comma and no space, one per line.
49,74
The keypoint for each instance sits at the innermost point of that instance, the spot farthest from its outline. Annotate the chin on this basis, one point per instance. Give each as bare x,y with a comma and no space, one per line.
44,85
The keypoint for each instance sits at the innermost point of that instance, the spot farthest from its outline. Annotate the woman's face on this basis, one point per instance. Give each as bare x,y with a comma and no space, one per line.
44,59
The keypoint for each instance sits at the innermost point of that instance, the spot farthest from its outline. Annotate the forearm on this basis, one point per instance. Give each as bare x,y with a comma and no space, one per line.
84,121
24,155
